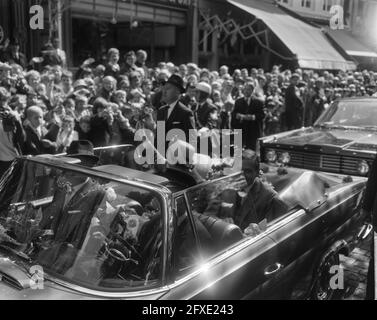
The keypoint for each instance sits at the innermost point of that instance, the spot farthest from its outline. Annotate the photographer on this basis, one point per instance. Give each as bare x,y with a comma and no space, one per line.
12,135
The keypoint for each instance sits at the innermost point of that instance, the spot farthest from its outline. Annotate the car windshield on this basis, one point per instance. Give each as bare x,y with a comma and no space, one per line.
357,114
90,231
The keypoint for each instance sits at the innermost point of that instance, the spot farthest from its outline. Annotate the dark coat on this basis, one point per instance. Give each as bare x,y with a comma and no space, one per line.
251,130
100,132
370,197
294,108
70,223
261,202
181,118
33,144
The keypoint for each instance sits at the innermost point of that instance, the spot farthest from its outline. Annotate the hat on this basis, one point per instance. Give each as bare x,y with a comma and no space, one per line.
84,151
177,81
204,87
80,83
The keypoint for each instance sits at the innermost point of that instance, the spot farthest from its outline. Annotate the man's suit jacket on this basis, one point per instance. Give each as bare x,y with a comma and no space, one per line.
181,118
33,144
294,108
70,222
251,130
370,197
261,202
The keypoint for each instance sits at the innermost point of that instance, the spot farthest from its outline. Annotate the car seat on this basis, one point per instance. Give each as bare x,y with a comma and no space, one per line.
223,234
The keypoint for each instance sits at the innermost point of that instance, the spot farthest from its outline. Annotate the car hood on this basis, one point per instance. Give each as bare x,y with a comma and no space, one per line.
336,139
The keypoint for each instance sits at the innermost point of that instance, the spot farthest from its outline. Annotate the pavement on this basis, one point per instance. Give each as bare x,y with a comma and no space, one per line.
356,270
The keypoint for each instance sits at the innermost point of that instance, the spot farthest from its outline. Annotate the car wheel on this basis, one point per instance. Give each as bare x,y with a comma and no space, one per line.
322,289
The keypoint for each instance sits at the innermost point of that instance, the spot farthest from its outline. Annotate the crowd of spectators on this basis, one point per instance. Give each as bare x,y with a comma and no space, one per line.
105,102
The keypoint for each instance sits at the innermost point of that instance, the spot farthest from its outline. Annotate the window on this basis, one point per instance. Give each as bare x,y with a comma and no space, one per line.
327,4
306,3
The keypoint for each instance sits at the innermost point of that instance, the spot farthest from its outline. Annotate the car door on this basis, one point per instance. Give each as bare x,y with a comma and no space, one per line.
247,269
306,236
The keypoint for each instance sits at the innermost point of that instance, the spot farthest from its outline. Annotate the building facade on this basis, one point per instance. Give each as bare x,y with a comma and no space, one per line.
161,27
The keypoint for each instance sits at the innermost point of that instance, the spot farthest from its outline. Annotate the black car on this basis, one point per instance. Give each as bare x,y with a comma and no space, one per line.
111,232
343,140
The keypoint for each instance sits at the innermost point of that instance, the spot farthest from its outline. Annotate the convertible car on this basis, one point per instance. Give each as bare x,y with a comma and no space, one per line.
343,140
108,232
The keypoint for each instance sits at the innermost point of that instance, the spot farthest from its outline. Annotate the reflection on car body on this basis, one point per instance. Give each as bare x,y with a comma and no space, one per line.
343,140
132,234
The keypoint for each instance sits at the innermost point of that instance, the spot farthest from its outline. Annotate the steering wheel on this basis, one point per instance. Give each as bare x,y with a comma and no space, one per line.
117,255
126,244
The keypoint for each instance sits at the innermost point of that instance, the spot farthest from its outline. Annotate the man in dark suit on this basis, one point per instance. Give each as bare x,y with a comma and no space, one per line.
175,114
248,116
260,201
76,199
294,105
370,207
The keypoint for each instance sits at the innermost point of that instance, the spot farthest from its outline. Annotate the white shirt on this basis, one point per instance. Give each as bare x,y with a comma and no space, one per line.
171,108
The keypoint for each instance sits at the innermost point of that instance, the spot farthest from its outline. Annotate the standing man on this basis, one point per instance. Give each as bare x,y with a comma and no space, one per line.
370,207
12,135
248,116
294,104
175,114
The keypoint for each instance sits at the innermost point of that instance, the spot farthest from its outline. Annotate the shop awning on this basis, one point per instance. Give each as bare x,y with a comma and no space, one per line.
350,44
308,44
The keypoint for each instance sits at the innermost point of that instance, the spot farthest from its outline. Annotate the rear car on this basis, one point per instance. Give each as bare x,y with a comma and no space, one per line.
343,140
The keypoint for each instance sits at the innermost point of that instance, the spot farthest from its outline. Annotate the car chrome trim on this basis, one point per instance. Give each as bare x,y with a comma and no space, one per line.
105,294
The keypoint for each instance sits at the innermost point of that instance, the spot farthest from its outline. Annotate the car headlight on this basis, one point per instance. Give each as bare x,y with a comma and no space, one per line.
363,167
271,156
285,158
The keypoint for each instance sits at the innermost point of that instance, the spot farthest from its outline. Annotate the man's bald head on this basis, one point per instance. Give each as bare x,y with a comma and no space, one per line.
250,166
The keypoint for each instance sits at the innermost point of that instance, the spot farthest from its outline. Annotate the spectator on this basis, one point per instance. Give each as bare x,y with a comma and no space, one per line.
14,56
248,116
12,136
36,143
112,66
